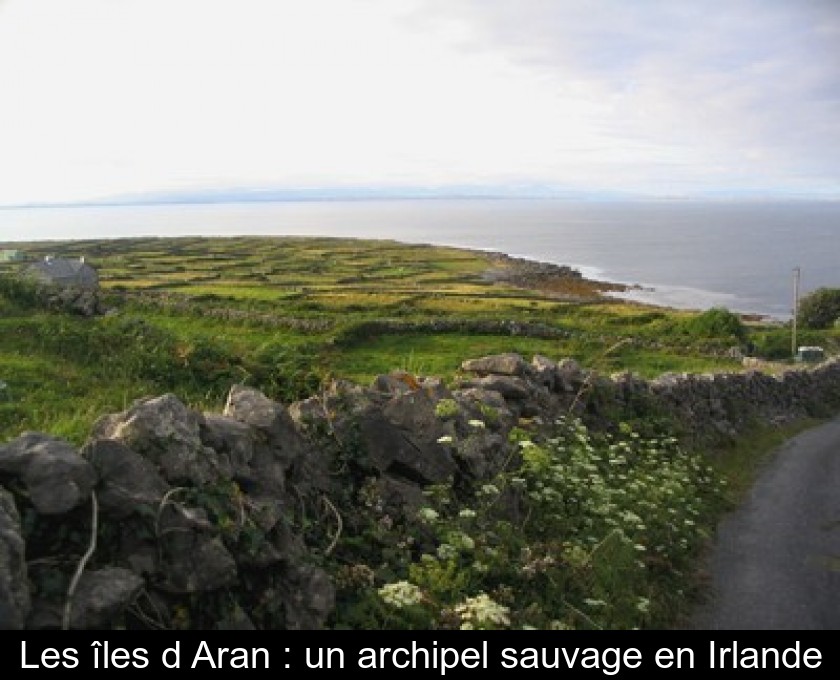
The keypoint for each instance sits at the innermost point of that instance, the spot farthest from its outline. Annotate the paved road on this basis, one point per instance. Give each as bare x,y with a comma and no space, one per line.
776,560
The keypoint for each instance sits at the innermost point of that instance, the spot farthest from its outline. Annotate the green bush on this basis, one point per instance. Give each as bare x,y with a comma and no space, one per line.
772,345
716,323
585,530
820,309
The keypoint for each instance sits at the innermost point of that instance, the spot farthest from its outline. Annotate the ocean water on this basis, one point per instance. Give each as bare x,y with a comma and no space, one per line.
739,255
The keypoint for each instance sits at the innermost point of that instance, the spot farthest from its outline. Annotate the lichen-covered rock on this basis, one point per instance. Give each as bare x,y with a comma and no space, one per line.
481,455
278,444
396,382
235,443
570,374
193,556
309,597
14,586
166,432
126,479
56,476
498,364
399,453
102,596
401,437
510,387
546,373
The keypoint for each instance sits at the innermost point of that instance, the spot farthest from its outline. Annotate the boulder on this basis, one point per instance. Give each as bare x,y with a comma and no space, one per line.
126,479
402,454
56,476
308,596
395,382
278,444
14,584
481,455
510,387
102,596
193,556
167,433
498,364
571,375
546,373
235,443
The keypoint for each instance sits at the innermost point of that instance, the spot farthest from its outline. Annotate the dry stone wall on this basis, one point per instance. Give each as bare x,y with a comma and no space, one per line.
238,510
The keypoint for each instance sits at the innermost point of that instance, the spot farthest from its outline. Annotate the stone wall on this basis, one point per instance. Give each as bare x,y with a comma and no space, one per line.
166,507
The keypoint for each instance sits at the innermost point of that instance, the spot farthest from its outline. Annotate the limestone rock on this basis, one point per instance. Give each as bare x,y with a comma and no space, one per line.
309,597
14,586
193,557
497,364
166,432
102,596
56,476
278,444
126,479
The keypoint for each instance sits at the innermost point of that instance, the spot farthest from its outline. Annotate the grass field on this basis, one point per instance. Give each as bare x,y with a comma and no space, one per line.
194,315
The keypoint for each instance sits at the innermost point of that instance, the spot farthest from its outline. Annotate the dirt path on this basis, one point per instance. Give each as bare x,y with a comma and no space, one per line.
776,560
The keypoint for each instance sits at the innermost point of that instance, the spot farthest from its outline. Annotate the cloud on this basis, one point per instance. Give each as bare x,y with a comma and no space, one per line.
108,97
747,83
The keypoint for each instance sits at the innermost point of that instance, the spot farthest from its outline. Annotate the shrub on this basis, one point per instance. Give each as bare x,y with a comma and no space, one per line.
716,323
820,309
585,530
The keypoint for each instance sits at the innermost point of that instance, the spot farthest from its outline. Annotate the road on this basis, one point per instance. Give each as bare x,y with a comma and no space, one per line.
776,560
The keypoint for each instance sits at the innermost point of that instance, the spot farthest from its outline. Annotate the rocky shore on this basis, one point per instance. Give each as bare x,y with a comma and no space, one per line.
556,280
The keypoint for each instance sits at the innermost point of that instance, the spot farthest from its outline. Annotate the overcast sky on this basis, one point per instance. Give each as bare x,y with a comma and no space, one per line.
105,97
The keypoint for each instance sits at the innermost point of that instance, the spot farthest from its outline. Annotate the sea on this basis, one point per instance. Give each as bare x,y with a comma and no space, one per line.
741,255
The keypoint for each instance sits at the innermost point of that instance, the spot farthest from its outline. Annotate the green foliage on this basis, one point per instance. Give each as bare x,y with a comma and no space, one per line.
446,409
581,531
716,323
772,345
19,292
820,309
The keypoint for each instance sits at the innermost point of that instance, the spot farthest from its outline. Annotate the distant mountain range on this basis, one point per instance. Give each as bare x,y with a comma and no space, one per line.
367,193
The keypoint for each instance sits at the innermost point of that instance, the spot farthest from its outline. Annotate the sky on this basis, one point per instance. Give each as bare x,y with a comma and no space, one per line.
657,98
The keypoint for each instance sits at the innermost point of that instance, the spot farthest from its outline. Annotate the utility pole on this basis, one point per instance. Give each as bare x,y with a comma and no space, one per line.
796,274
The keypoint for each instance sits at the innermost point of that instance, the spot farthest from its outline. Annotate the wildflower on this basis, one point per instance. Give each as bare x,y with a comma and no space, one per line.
446,551
482,611
401,594
427,514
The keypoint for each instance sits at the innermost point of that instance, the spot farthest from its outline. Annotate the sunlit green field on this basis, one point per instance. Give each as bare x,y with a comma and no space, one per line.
195,315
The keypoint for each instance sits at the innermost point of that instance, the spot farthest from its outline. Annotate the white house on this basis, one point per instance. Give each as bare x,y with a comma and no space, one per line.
64,272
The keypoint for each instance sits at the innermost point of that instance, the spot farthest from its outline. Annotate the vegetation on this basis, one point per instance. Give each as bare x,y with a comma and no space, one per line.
820,309
583,531
579,530
194,315
717,322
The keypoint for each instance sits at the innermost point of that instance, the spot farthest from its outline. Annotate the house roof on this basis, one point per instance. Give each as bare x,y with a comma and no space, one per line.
63,270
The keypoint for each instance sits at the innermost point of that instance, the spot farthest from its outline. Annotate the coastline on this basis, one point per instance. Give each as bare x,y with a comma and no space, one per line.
583,284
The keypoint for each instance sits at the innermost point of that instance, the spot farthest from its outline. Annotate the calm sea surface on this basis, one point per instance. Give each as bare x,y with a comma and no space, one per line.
694,255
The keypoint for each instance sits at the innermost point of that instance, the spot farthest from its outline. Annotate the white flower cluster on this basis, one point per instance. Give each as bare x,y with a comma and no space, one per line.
427,514
401,594
482,611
